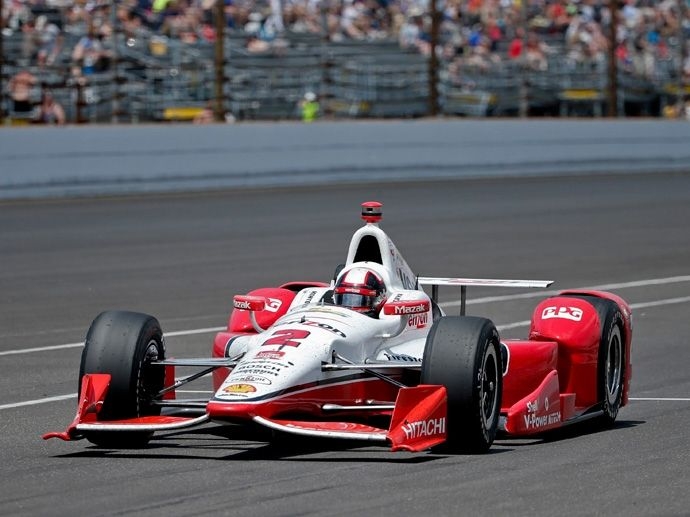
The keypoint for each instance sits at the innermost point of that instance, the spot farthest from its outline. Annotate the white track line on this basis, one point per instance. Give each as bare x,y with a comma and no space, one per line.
657,399
80,344
39,401
603,287
59,398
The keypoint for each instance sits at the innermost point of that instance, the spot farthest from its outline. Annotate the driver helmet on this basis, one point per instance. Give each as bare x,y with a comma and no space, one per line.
361,289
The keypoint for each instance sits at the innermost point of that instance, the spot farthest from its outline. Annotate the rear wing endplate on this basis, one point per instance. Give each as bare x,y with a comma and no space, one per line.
463,283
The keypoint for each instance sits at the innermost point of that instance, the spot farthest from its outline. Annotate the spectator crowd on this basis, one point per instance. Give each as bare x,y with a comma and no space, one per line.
478,33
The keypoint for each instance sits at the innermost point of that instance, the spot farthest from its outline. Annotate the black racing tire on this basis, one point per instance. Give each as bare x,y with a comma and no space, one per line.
123,344
611,359
463,354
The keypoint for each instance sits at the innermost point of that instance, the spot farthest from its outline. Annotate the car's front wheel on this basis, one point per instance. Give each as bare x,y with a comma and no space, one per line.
463,354
124,345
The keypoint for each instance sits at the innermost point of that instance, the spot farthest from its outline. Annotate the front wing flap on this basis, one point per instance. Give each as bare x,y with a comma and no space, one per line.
418,421
93,390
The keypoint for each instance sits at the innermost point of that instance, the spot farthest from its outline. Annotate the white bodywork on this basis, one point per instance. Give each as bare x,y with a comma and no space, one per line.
290,353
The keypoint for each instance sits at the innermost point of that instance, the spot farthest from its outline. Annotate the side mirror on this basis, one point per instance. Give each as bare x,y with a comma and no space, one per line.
253,304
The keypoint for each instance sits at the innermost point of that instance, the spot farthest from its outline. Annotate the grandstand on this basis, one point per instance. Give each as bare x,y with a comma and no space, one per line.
150,66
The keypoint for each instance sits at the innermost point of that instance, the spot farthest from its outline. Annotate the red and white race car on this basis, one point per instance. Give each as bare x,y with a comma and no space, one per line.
367,356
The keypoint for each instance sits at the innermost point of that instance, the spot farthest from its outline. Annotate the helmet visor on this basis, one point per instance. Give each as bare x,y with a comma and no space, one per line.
345,297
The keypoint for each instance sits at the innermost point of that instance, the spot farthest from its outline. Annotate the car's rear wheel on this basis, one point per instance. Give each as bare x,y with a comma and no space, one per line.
124,344
463,354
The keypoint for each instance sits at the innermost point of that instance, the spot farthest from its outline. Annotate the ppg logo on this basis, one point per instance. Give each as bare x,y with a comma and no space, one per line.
566,313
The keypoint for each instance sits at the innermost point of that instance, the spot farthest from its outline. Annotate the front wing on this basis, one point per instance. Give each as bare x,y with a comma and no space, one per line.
418,420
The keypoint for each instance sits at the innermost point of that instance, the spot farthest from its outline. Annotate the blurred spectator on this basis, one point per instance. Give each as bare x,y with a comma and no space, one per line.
21,87
354,21
413,34
49,111
89,54
585,41
309,107
536,53
49,41
205,116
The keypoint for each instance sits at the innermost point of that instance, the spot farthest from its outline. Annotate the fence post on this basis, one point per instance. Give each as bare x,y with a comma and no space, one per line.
680,97
433,59
523,102
612,93
114,37
2,72
219,61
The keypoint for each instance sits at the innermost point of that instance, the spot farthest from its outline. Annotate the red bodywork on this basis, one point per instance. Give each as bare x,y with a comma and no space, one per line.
552,377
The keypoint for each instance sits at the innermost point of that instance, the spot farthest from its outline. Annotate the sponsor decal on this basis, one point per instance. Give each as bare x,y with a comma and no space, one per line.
244,305
418,321
326,326
273,304
264,368
317,324
532,421
286,337
402,357
421,428
255,369
270,354
254,379
566,313
411,309
239,388
310,297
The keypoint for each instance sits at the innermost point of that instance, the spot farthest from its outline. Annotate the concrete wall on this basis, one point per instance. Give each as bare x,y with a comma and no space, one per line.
37,162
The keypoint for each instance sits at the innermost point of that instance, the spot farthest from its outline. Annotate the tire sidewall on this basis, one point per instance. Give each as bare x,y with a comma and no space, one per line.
117,344
454,356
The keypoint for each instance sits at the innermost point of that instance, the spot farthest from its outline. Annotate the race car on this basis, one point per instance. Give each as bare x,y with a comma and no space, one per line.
368,355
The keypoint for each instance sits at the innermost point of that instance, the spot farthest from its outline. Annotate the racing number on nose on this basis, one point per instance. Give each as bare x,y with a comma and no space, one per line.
287,337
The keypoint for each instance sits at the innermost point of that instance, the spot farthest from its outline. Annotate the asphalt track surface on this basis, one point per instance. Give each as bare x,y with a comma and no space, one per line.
182,258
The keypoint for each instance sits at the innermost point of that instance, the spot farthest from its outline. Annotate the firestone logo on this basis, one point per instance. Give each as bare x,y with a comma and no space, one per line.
422,428
566,313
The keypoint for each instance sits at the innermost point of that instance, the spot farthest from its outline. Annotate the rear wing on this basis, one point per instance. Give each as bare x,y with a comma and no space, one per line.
463,283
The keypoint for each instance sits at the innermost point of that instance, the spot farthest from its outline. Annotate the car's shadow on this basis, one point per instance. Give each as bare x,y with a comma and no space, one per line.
568,432
239,443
